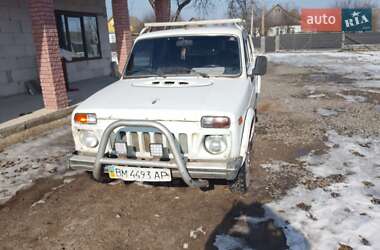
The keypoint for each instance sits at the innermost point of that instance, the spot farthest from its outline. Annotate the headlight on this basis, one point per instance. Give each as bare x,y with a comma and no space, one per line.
215,122
85,118
215,144
88,139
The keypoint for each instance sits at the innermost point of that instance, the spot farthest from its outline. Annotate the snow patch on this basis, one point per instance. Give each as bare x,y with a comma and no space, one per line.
348,217
352,98
327,112
342,213
316,96
194,233
228,242
363,67
23,163
377,108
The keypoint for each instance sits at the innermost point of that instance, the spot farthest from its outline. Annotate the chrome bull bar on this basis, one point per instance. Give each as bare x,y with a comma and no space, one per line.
173,145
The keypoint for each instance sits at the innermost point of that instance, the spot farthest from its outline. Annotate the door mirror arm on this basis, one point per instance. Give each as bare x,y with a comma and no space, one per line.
250,69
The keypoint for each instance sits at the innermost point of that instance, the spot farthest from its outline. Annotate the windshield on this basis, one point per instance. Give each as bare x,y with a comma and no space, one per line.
189,55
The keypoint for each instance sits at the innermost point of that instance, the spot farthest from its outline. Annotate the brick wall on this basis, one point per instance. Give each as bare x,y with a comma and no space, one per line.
122,31
17,52
49,66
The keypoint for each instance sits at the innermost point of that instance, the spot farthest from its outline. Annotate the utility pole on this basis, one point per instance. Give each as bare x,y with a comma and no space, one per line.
263,22
252,20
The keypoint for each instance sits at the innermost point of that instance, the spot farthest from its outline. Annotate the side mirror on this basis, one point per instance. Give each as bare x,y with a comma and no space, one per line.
260,68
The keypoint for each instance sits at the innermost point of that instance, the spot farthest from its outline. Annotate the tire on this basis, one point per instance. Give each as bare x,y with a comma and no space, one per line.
242,180
240,184
103,179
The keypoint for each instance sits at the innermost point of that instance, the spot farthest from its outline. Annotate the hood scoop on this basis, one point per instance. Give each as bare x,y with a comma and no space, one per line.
173,83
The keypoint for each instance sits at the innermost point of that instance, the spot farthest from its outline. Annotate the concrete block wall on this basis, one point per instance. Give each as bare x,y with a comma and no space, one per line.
17,52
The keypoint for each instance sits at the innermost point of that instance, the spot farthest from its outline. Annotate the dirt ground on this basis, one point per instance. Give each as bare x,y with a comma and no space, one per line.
75,212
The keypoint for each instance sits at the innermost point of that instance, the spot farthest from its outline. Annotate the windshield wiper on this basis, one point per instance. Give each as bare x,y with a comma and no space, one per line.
145,73
202,74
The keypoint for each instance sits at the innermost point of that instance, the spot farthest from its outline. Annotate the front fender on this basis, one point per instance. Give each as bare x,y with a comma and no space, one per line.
247,133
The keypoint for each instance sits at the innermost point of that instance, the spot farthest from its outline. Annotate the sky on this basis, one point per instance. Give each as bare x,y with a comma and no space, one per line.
141,8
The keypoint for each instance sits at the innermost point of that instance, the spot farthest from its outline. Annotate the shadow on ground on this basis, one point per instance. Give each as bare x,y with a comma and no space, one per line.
254,226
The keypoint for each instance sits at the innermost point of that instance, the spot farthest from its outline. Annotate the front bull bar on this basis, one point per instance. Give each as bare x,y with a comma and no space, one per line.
181,164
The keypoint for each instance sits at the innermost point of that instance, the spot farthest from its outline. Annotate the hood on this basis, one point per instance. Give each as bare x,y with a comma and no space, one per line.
175,99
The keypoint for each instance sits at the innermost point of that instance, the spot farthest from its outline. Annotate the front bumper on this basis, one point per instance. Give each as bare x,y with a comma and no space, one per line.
227,170
192,173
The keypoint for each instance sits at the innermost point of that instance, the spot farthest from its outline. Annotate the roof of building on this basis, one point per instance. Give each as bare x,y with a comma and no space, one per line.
278,16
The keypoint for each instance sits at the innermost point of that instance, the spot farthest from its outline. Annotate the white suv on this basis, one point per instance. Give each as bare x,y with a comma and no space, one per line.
185,107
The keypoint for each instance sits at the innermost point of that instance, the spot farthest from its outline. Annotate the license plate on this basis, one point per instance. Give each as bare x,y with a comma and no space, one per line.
139,174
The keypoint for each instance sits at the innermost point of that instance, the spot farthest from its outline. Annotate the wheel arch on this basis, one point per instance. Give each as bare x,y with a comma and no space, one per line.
247,132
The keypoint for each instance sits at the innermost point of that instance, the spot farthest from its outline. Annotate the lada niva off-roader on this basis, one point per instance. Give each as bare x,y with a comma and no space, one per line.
185,107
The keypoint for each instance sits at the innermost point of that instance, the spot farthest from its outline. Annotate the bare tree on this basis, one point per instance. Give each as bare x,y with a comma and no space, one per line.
356,3
245,9
152,3
180,5
291,8
240,8
255,11
200,5
203,6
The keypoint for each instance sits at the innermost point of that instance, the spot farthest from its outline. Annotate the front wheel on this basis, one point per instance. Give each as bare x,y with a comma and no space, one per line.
242,180
240,184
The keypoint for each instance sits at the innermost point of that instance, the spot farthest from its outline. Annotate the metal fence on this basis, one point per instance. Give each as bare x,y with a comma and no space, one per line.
314,41
308,41
363,38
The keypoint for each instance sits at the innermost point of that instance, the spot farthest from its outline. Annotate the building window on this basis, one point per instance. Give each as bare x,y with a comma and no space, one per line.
79,34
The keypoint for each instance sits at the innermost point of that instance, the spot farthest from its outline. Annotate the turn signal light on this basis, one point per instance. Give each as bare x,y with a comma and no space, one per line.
85,118
215,122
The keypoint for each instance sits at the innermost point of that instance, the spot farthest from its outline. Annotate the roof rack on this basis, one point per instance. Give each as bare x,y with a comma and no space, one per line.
148,26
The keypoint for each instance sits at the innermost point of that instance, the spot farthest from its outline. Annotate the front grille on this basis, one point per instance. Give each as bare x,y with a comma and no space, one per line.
138,143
